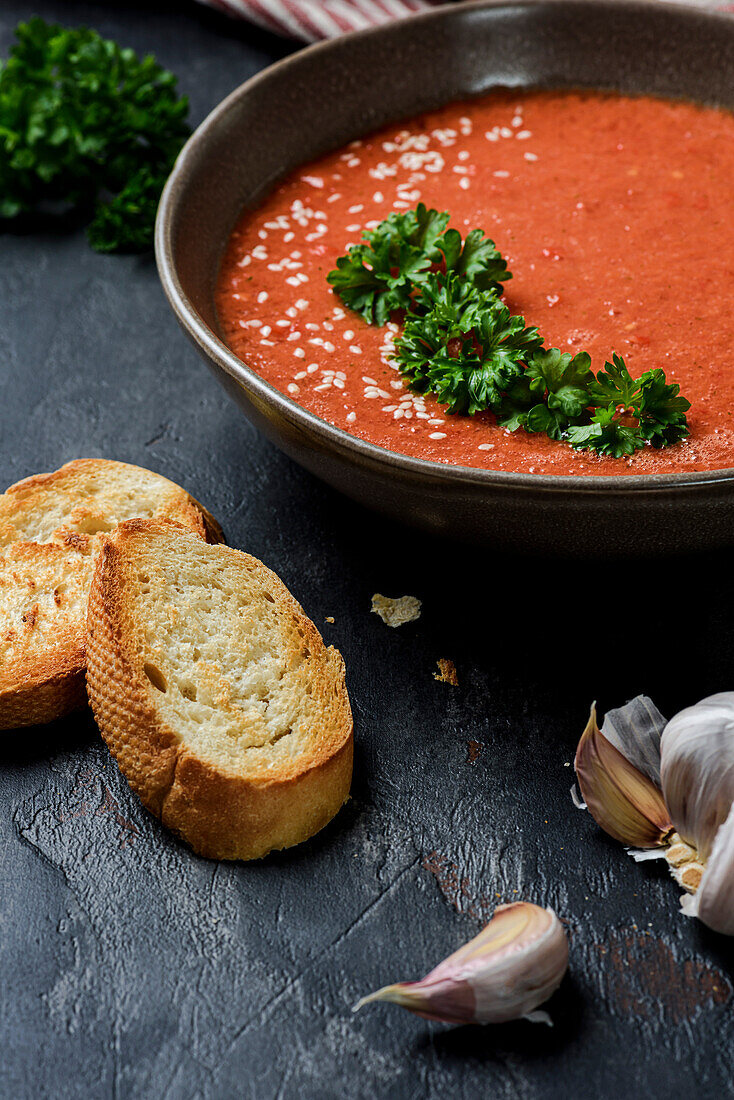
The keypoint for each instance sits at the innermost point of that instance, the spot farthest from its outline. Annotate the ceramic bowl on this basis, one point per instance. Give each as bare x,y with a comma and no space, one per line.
315,101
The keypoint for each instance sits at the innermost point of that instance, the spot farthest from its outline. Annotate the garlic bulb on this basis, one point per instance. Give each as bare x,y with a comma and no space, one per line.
504,973
690,822
697,769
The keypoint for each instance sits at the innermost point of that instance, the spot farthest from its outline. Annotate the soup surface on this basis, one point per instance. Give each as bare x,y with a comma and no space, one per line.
616,218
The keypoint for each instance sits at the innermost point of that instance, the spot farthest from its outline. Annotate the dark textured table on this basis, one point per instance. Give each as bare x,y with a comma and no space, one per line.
131,968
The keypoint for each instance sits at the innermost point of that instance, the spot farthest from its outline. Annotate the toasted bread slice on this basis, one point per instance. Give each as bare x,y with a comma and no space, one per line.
51,529
226,712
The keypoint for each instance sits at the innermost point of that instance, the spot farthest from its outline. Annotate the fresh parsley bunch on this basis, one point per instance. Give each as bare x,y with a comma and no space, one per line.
461,343
85,123
383,273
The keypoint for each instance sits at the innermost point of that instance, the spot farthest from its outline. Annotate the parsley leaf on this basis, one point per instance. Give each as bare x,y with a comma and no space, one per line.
477,260
387,270
606,435
468,349
85,123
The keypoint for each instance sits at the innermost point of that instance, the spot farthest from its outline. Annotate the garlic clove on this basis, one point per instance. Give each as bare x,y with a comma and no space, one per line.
635,729
697,769
620,798
504,973
713,902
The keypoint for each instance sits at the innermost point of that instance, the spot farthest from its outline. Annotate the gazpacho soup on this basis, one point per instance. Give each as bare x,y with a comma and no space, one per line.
614,217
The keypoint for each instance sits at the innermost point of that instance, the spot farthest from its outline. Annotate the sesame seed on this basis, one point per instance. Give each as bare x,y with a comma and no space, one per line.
465,183
523,135
378,197
354,228
501,174
262,234
293,388
301,303
530,156
437,435
288,237
299,353
291,312
435,421
293,336
268,343
312,368
486,446
328,346
301,374
355,349
334,198
293,280
348,335
351,417
517,121
369,381
262,297
265,330
463,155
356,209
491,136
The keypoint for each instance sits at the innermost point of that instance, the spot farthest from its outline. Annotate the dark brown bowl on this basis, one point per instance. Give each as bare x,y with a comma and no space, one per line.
318,100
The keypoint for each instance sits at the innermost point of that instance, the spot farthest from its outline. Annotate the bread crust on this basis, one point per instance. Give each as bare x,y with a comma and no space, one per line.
221,814
47,680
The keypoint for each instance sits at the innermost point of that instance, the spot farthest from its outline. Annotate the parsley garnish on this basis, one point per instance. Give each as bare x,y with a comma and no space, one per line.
87,124
467,349
461,343
383,273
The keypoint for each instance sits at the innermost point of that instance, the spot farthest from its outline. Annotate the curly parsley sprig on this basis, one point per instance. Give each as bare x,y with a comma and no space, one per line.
383,273
87,124
461,343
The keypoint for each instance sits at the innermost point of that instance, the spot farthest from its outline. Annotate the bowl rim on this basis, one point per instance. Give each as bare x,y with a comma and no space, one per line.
328,435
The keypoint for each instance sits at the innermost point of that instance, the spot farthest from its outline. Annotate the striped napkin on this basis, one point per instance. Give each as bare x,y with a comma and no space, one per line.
311,20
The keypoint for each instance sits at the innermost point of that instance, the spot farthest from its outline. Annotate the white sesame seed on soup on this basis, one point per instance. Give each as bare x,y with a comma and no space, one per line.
614,214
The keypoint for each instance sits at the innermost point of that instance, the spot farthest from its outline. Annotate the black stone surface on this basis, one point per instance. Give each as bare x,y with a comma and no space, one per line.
131,968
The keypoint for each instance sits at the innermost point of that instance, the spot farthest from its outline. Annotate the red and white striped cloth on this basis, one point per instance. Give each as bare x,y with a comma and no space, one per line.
311,20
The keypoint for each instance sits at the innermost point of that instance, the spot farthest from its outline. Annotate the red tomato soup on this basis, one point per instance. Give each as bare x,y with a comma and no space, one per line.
616,216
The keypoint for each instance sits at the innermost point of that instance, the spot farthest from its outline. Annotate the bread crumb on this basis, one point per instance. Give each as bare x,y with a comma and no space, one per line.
446,672
329,619
404,609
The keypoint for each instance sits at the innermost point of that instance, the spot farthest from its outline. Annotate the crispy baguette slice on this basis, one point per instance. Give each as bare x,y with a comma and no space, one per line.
51,529
224,709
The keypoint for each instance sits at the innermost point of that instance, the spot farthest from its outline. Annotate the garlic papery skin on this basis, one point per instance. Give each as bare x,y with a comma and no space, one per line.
626,803
515,963
697,769
713,902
